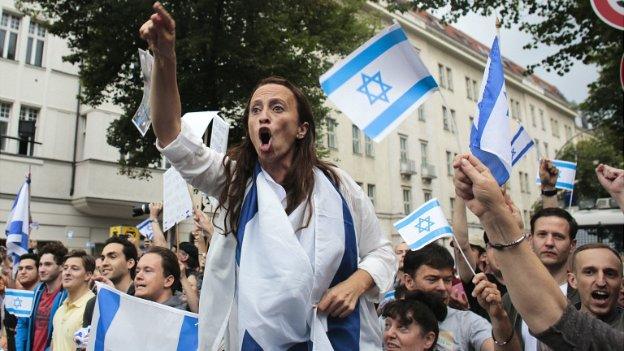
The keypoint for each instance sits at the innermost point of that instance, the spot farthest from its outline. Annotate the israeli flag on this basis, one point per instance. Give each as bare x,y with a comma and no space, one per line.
18,302
145,228
567,173
124,322
379,84
489,136
18,225
388,296
426,224
520,144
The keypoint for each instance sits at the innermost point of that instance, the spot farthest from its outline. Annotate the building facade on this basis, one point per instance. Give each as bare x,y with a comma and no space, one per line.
77,193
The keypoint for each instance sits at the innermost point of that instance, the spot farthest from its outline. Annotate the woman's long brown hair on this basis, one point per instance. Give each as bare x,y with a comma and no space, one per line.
299,181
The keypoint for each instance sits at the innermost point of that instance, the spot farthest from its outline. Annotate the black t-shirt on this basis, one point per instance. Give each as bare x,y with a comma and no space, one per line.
474,304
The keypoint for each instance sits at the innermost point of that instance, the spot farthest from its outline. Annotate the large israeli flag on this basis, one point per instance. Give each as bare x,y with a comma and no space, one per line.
379,84
18,302
567,173
18,225
425,225
123,322
489,137
521,143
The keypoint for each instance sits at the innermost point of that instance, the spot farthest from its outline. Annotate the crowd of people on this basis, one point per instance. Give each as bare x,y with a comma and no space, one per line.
295,259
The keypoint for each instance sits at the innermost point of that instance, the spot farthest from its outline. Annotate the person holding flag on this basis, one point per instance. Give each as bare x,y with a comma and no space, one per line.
298,258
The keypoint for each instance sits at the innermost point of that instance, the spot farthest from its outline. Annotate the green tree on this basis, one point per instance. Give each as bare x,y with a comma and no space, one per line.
223,49
572,27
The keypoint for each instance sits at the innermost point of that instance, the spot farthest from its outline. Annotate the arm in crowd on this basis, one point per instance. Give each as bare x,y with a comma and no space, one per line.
203,231
489,297
548,174
165,107
190,290
542,306
612,180
159,236
460,230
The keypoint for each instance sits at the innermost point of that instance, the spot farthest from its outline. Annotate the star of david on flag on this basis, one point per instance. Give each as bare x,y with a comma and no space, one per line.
379,84
423,226
19,302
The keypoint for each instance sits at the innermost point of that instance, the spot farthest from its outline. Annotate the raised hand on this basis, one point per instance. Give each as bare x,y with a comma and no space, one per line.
159,32
612,180
475,185
548,174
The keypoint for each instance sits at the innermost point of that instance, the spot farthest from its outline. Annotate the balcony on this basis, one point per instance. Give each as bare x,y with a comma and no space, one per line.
428,172
408,167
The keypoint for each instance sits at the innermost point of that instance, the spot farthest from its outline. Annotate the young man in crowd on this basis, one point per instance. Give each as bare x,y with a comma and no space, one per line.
158,277
400,250
553,239
430,269
27,278
597,275
77,272
49,295
119,259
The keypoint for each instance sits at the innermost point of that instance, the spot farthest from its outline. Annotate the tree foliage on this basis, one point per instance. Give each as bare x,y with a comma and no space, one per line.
569,25
223,47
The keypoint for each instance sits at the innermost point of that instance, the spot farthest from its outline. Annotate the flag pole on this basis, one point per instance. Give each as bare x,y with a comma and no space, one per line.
464,256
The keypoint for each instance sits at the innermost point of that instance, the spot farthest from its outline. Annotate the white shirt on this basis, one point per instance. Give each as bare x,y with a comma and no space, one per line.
530,342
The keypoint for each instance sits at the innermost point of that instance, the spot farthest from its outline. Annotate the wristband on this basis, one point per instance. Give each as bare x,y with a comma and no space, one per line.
511,244
503,343
549,193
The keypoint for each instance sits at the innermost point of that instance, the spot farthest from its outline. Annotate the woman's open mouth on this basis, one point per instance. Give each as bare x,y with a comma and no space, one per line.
265,139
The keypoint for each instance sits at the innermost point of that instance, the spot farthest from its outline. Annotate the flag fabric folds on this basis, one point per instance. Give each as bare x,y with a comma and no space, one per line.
145,228
490,141
520,144
567,173
18,302
18,224
425,225
379,84
124,322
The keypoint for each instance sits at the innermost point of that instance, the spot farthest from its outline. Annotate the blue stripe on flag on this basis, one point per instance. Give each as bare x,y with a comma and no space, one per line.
108,304
426,207
493,163
563,185
521,153
561,164
19,293
434,235
15,227
18,311
248,211
394,111
189,336
17,197
344,333
518,133
249,344
363,59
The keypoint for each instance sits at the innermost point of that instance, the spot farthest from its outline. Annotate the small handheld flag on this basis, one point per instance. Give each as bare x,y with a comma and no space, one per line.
379,84
567,173
520,144
18,225
18,302
489,136
145,228
425,225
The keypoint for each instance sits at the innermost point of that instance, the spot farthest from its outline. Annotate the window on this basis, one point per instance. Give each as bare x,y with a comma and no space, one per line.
356,139
407,200
445,119
331,133
518,111
554,125
441,75
541,114
568,131
449,163
537,148
34,47
449,79
370,189
403,147
427,195
369,147
26,130
424,160
526,183
515,110
469,93
475,91
5,113
9,29
533,121
453,121
521,181
452,203
546,153
421,113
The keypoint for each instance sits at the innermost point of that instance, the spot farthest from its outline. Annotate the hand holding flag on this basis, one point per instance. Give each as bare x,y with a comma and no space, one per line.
566,173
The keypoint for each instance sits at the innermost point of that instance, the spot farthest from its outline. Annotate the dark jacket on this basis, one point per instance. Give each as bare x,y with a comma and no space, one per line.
30,323
516,319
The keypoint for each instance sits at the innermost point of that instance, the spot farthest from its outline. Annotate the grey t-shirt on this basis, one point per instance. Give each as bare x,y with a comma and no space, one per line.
463,330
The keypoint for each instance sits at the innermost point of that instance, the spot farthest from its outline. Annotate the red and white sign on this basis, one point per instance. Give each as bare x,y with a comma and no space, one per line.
610,12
